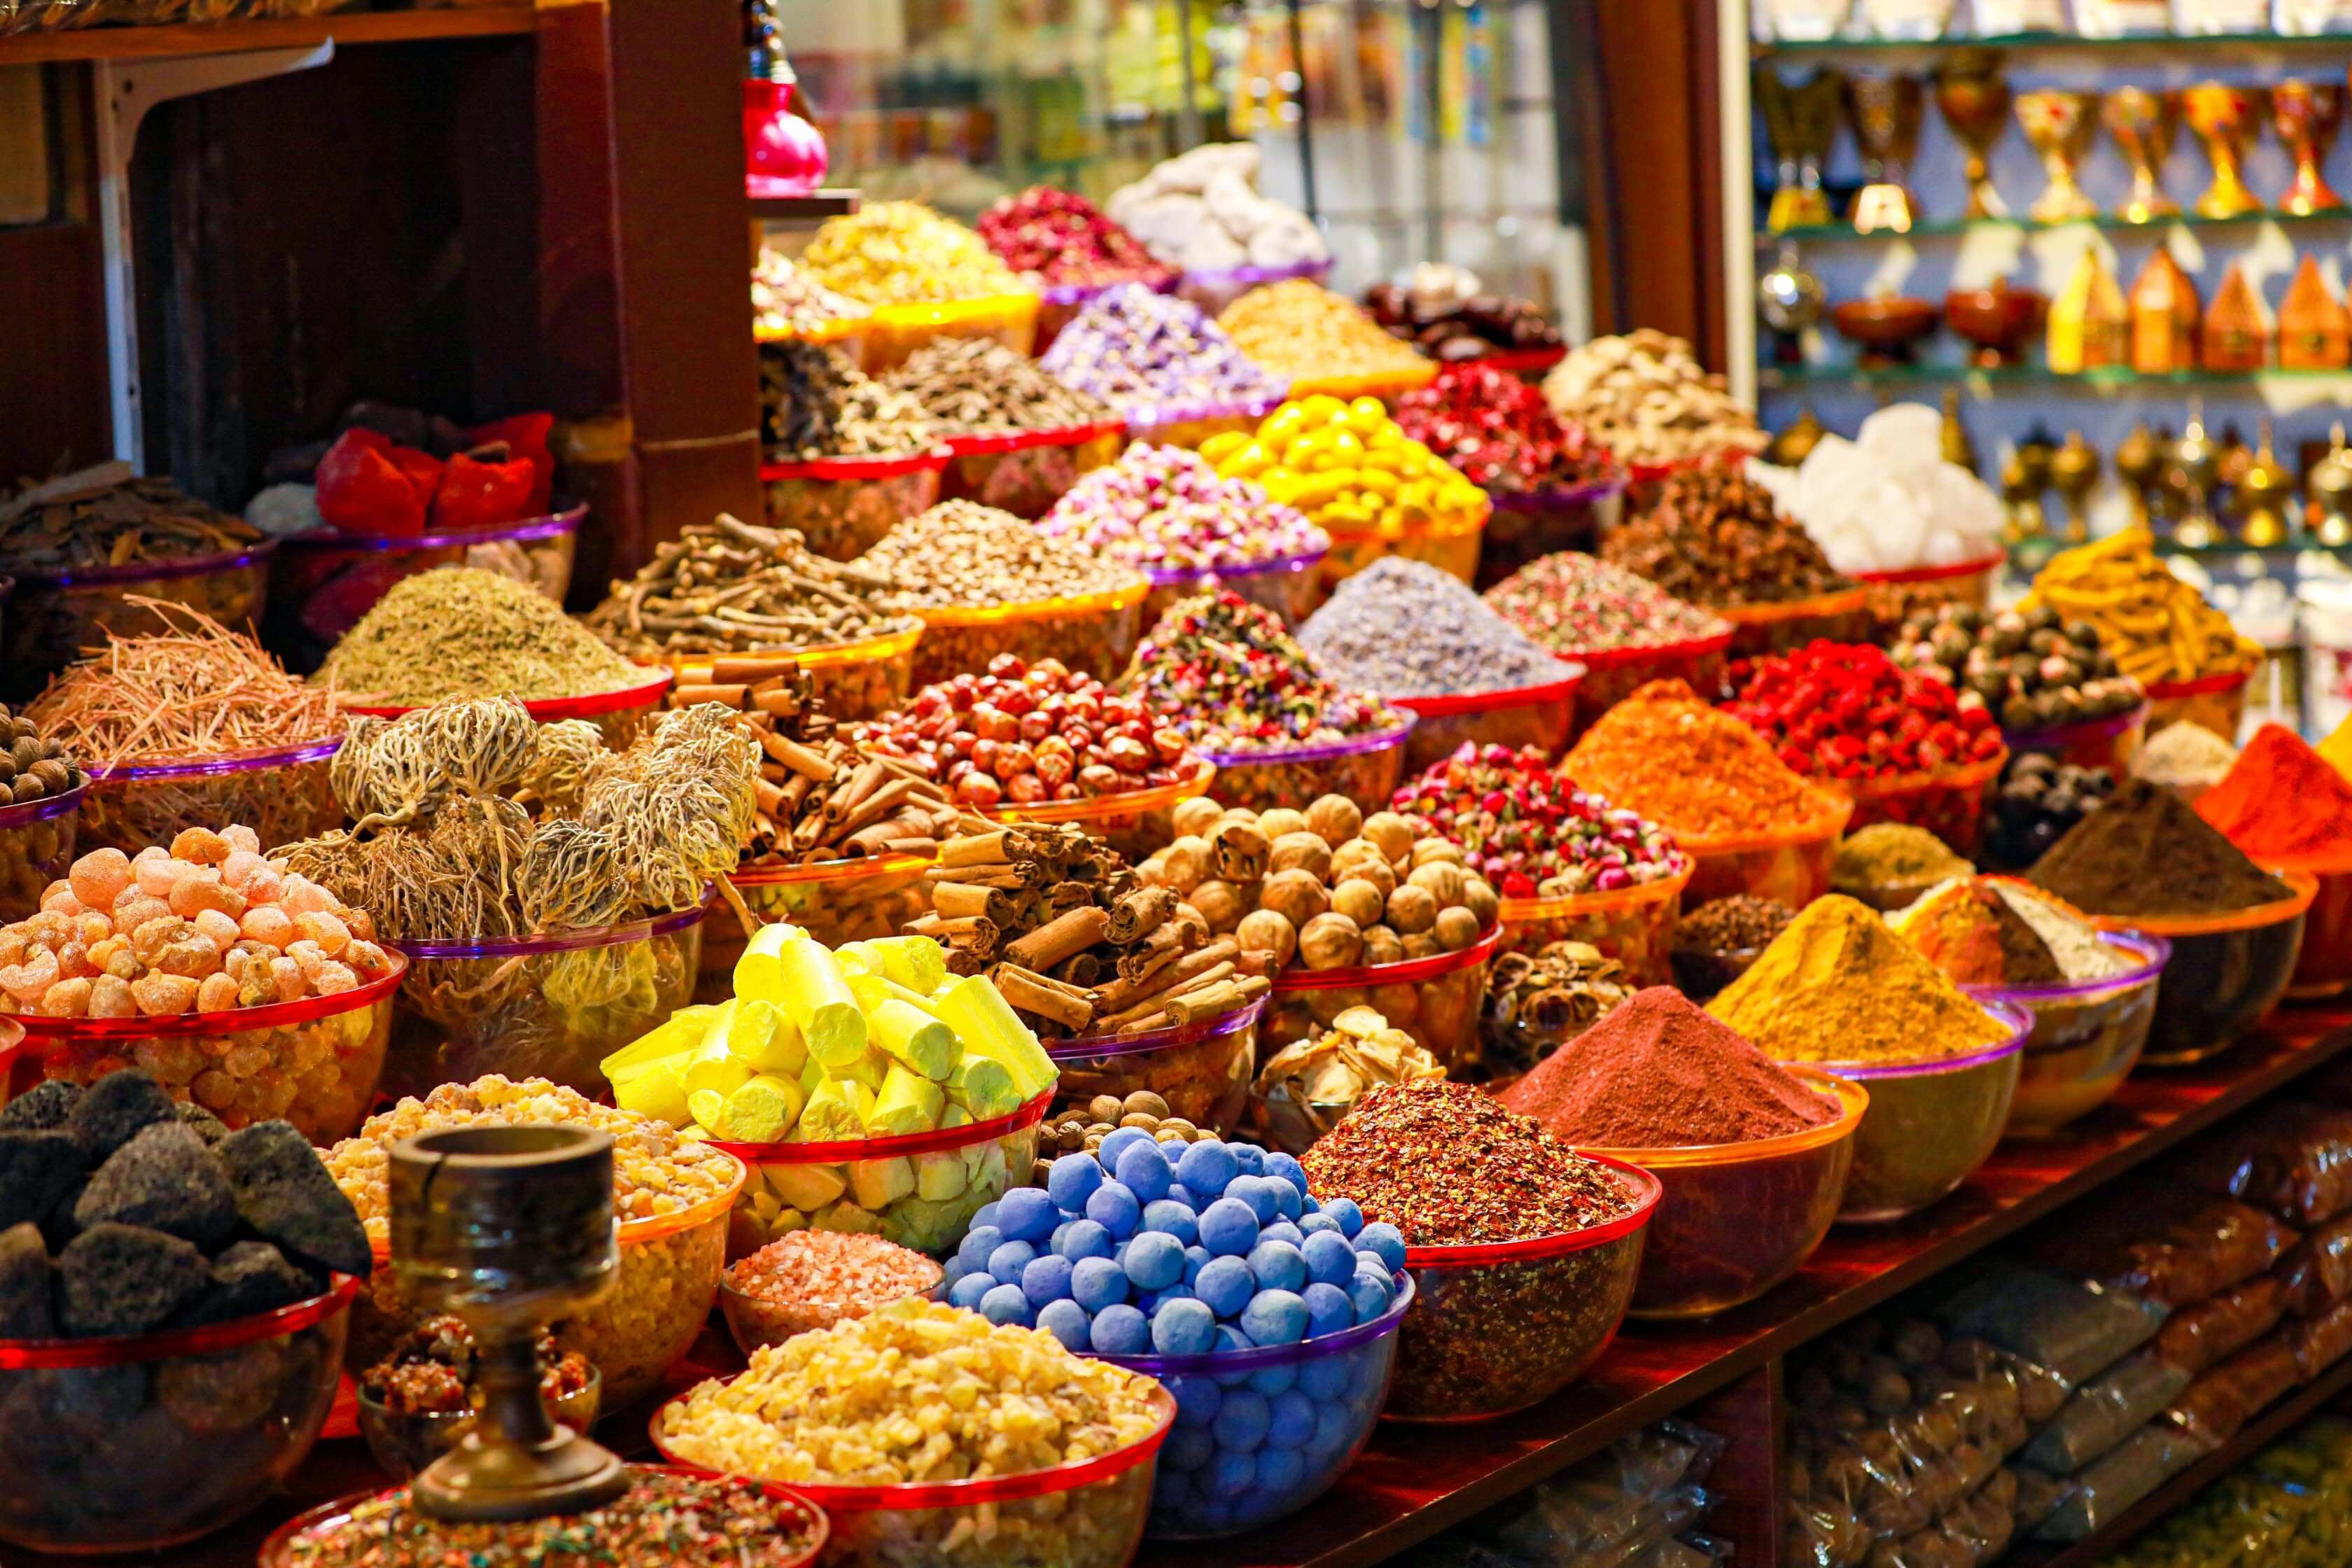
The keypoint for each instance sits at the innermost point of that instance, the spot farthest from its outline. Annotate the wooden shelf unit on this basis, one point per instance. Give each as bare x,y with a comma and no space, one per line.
182,38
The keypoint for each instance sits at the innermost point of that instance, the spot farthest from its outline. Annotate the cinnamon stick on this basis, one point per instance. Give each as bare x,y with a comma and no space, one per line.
1071,931
1224,996
956,900
1028,992
1140,913
1163,946
1120,993
806,761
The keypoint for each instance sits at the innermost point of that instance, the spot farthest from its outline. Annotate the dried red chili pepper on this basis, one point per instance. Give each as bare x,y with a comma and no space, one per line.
1846,711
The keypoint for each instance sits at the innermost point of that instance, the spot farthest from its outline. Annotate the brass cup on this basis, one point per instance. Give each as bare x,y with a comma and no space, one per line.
1885,113
1975,101
2144,120
2307,116
2226,119
2060,123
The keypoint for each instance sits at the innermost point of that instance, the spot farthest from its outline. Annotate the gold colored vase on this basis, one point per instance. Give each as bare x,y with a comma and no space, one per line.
2090,325
2306,115
2143,121
2226,118
2059,124
1800,123
1885,112
1975,101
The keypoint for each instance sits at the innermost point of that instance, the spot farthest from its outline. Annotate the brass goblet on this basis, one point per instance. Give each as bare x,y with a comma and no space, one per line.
2226,118
2307,116
2143,121
2060,124
1975,101
1885,112
1800,123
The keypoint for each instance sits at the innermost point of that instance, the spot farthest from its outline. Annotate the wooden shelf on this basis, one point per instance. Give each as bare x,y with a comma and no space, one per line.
811,209
228,37
2150,45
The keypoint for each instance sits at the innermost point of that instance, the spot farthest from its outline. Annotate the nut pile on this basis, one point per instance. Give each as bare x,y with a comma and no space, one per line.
813,403
903,253
1347,466
1716,538
1224,673
1452,643
1299,330
728,586
1645,398
1498,432
1167,510
1742,923
1153,357
2037,801
1445,312
1846,711
1574,604
977,386
1201,211
1060,238
1531,832
784,300
2032,670
962,554
34,765
1080,1129
1324,1075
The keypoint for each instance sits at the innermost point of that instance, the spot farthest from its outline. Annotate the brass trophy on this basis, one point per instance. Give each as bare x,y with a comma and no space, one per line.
509,1228
1790,299
2074,474
2225,117
2331,492
2266,492
2195,462
1885,112
2307,116
1974,98
2023,480
1800,123
2059,124
2143,121
2139,463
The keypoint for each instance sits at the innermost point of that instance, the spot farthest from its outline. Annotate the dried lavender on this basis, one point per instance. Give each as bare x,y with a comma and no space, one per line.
1456,643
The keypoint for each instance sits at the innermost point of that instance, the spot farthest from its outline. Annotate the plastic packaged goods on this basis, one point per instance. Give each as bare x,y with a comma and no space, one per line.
2318,1342
2292,1159
1611,1511
2227,1396
2289,1506
2118,1479
2211,1330
2168,1245
2316,1272
2076,1331
2106,1411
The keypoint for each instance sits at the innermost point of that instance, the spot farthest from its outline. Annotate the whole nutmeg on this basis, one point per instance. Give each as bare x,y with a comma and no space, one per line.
1420,944
1335,818
1281,822
1478,896
1297,895
1360,900
1331,941
1434,850
1411,910
1192,817
1220,903
1393,833
1381,945
1304,850
1239,851
1267,932
1456,929
1362,858
1183,865
1444,880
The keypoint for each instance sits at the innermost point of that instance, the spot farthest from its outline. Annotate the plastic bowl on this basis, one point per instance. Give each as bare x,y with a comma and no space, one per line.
1502,1326
1948,803
1739,1218
894,332
1026,471
754,1322
1838,616
1134,822
281,791
1062,303
1388,386
1896,596
1527,524
1286,584
1090,633
1365,768
2325,967
1612,674
314,1063
862,679
2228,971
1634,925
1323,1396
834,900
1187,425
36,848
322,582
1790,865
137,1442
1203,1070
1088,1514
549,1007
2088,1036
1931,1124
55,616
1538,716
842,505
2111,743
1435,999
619,714
1219,286
405,1442
845,334
917,1189
1449,542
2216,701
661,1297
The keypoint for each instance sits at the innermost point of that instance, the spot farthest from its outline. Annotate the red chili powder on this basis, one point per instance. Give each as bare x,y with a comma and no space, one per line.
2283,803
1660,1073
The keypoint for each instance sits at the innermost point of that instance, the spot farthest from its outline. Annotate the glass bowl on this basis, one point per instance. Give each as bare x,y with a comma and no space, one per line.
36,848
1896,596
53,616
1219,286
1948,803
1536,716
1634,925
619,714
1187,425
1087,1514
661,1298
842,505
279,792
2323,969
405,1442
2111,743
917,1189
1931,1124
1437,1000
2228,971
1528,524
538,1007
136,1442
1024,472
1790,865
753,1321
1612,674
1286,585
1501,1326
2216,701
1063,303
1091,633
862,679
1134,822
894,332
1322,1398
315,1063
1739,1218
1365,768
2088,1036
834,901
1203,1070
846,335
1701,972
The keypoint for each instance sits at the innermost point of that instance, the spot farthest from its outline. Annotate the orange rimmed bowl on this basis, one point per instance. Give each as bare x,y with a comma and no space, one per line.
1634,925
1090,633
1790,865
2324,966
2228,971
1948,803
1838,616
864,678
1538,716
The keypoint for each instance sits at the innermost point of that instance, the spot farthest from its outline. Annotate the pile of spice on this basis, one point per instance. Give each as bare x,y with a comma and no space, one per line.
106,516
904,253
1058,239
1647,399
457,632
977,386
2187,758
2157,626
432,1369
2145,853
815,403
1315,1083
196,689
729,587
809,1280
1847,711
786,300
1716,537
1892,856
1994,931
1153,357
2033,670
1224,673
1659,1073
1499,432
1453,642
34,763
1167,510
961,555
1201,211
1348,466
1838,986
1538,1002
1025,733
2037,801
1301,331
2283,804
1742,923
1528,830
1574,604
1696,770
1447,313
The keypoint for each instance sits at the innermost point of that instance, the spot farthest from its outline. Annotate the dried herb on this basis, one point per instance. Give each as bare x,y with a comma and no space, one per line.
105,517
729,587
455,631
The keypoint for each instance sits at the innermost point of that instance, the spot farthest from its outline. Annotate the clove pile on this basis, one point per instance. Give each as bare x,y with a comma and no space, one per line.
731,587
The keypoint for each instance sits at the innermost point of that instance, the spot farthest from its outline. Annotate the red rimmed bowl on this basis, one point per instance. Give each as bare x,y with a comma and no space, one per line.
1612,674
1434,999
1948,803
842,505
1539,716
2216,701
1896,596
619,714
1024,472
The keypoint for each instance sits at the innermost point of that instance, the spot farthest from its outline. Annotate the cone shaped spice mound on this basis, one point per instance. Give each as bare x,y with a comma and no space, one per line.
1658,1073
1838,986
1970,932
2145,853
1701,774
2283,804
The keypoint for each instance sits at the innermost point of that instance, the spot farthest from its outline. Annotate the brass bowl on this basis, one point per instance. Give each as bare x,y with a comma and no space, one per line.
1887,329
2000,320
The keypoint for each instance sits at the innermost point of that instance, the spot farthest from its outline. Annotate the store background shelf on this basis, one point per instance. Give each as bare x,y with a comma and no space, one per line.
269,33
